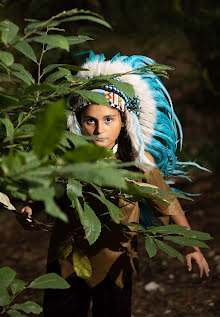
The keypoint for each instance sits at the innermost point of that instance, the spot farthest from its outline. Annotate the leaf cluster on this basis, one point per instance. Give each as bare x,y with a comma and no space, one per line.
11,287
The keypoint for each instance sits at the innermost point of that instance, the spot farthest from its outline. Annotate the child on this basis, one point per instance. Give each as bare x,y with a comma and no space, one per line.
143,130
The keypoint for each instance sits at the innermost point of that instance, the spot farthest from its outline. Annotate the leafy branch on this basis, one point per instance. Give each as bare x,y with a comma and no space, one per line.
11,288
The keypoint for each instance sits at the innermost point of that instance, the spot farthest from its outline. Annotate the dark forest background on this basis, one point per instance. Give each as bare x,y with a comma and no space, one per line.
183,34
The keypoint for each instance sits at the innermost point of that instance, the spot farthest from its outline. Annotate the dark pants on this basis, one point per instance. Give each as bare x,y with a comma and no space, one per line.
108,300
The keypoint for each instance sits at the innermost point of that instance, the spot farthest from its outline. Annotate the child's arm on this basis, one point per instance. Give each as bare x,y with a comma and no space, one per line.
195,253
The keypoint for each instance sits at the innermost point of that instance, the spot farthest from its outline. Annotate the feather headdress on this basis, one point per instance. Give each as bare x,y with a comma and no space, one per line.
156,128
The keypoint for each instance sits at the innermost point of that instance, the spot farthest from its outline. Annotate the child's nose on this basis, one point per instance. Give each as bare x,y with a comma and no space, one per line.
99,127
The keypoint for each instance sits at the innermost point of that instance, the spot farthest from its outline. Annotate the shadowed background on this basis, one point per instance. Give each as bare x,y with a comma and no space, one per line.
182,34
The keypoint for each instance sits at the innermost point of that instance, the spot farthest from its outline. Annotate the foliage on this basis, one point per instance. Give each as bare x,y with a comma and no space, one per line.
42,161
10,288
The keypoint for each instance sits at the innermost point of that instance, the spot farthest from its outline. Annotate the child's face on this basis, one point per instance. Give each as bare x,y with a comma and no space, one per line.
102,122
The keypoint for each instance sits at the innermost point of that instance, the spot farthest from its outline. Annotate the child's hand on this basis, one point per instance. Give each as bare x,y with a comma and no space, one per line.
200,260
26,221
27,210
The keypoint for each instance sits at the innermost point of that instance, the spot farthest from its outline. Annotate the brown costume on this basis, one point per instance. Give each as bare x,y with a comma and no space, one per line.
115,251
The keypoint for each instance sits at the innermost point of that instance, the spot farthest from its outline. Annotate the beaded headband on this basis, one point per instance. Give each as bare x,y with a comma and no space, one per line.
116,98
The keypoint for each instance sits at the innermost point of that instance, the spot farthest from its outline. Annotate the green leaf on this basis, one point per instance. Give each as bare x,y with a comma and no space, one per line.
150,246
4,297
74,189
81,265
186,241
53,41
39,87
25,48
74,68
175,229
87,153
115,211
14,313
22,74
168,250
7,275
77,140
49,68
175,194
8,126
4,69
197,235
91,224
28,307
46,195
6,58
134,224
73,40
50,280
98,174
79,209
17,285
87,18
93,97
7,101
8,31
62,72
125,87
52,119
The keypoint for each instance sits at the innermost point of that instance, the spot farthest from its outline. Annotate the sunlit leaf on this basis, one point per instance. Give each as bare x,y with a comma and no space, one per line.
52,119
28,307
81,264
87,18
17,285
77,140
93,97
7,275
73,40
8,31
91,224
50,280
73,189
14,313
6,58
87,153
7,204
53,40
123,86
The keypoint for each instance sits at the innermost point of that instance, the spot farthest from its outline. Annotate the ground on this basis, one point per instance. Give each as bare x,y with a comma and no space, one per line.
180,293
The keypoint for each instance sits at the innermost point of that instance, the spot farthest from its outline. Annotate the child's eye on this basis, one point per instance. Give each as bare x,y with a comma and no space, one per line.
89,120
108,119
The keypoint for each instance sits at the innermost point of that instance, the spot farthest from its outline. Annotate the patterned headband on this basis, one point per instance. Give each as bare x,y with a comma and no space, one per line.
116,98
